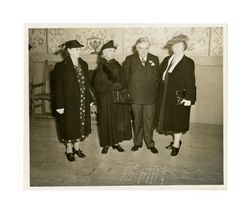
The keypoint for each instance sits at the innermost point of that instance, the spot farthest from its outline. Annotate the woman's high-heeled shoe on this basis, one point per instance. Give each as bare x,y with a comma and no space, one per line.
79,153
118,147
105,149
175,150
170,146
70,156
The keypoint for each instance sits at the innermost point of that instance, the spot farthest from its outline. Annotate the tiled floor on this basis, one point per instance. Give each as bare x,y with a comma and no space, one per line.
200,161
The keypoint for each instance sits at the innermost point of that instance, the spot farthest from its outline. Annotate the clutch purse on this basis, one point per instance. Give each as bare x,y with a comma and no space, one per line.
180,95
121,97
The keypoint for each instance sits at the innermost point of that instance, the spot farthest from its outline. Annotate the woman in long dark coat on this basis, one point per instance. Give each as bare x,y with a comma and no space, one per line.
177,76
113,119
72,99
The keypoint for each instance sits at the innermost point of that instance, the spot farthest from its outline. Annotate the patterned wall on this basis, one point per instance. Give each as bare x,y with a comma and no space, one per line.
55,38
203,41
198,43
216,41
94,38
38,40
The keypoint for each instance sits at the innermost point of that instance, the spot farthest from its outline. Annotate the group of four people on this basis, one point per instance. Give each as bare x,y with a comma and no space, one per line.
160,96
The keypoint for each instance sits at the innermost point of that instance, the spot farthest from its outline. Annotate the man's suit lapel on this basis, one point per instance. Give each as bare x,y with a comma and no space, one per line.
139,62
148,59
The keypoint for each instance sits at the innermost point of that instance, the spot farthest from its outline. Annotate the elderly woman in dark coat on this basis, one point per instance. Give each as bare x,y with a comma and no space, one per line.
72,99
177,92
113,118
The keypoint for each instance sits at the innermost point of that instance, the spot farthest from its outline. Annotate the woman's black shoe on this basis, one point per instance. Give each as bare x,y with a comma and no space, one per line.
153,150
105,149
170,146
118,147
79,153
70,156
175,150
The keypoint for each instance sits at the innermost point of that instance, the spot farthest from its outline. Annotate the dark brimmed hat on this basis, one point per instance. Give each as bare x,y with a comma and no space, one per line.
71,44
109,44
177,39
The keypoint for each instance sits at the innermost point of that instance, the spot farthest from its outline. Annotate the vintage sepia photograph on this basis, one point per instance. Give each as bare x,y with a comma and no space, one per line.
126,105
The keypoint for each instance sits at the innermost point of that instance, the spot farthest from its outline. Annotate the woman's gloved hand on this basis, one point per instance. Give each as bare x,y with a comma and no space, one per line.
185,102
60,111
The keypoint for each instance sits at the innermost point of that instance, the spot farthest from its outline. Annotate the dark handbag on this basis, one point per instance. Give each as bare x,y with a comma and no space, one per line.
121,97
180,95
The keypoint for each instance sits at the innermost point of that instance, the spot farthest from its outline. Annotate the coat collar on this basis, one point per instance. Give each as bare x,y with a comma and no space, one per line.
173,66
68,62
175,63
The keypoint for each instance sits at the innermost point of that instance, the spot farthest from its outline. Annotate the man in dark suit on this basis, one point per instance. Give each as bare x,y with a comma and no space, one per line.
142,71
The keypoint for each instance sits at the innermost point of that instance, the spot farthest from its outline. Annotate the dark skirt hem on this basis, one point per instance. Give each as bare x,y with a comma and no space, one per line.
81,139
169,132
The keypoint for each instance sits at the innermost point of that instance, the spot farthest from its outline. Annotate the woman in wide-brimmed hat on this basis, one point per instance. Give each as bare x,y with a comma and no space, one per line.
177,92
72,99
113,118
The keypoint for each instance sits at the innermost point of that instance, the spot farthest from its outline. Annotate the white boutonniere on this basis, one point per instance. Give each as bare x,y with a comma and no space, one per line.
152,63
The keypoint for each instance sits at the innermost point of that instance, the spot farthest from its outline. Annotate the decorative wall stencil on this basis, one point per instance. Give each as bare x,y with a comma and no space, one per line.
38,41
216,48
94,44
157,37
56,37
203,41
94,38
198,44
